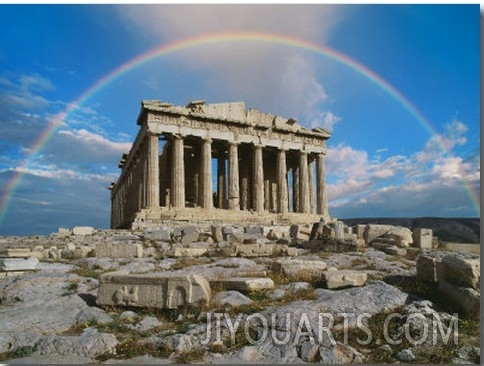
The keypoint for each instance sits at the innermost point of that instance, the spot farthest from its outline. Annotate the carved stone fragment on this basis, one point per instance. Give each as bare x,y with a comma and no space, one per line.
152,290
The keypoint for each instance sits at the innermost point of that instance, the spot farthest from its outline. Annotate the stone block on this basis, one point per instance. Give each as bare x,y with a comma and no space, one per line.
226,230
119,250
344,278
252,273
422,238
394,250
349,237
300,232
373,231
360,231
152,290
317,231
231,298
217,235
189,236
15,253
429,268
275,233
83,230
64,231
338,227
382,243
189,252
245,284
232,234
332,245
253,250
290,252
462,269
299,269
254,230
159,234
465,298
403,236
18,264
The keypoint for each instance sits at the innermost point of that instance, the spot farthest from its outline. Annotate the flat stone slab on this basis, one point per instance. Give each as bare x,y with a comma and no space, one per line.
152,290
254,250
246,284
299,269
119,250
380,245
189,252
18,264
15,253
334,246
394,250
231,298
252,273
461,269
83,230
344,278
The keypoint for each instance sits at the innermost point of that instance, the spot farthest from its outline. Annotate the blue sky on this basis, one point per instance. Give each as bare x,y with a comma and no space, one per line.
381,161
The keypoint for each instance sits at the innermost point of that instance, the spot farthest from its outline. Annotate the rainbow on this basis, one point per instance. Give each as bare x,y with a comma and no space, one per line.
205,40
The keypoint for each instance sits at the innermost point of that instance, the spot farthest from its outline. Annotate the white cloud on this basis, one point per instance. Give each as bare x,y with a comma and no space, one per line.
62,175
95,142
329,119
35,83
430,182
180,21
440,144
265,75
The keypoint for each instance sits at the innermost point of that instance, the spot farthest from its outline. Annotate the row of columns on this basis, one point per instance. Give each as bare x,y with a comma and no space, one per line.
140,187
303,182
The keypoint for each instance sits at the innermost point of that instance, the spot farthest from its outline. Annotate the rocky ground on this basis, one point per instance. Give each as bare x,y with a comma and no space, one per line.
377,312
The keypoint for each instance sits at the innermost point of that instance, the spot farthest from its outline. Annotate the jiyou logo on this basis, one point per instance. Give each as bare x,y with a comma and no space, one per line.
321,328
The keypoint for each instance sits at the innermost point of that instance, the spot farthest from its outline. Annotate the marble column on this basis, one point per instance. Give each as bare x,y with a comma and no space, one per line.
312,203
221,182
295,189
177,173
258,179
303,182
153,173
282,197
321,197
244,185
233,201
206,198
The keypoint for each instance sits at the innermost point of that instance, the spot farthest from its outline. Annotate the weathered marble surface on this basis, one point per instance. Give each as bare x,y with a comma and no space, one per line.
155,290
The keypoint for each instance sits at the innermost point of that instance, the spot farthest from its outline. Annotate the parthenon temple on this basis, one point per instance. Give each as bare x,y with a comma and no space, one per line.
219,163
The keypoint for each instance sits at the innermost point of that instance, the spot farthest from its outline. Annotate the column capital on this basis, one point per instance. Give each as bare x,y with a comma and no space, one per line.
178,136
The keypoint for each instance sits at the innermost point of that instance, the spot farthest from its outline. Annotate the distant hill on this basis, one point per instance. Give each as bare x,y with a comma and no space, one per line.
457,230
